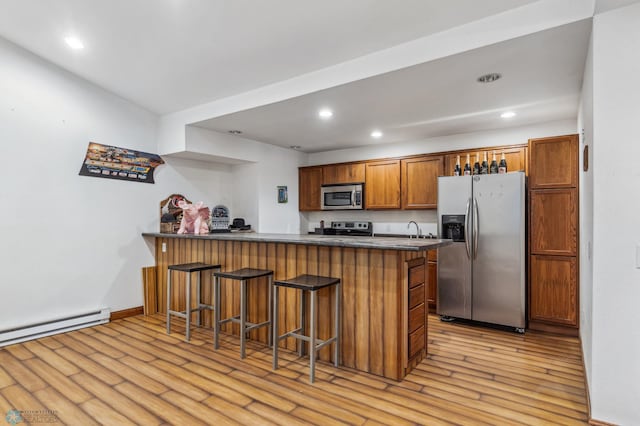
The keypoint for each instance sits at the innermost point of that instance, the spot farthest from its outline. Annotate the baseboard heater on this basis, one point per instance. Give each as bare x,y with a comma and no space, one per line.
55,326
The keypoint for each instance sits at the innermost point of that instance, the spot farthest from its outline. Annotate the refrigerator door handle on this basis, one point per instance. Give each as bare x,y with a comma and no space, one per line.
466,229
476,228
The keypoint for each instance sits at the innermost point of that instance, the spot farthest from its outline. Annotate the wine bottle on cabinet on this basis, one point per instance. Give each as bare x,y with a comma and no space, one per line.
484,167
456,170
493,169
467,167
476,165
502,168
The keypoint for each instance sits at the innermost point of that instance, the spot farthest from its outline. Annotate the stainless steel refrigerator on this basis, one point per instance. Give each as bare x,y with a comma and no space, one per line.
481,276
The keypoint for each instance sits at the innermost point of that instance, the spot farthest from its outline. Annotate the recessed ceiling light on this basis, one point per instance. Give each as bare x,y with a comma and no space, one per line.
508,114
325,113
74,43
376,134
294,146
489,78
235,132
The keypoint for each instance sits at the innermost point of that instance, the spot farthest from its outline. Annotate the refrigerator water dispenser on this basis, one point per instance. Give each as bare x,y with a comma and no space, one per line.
453,227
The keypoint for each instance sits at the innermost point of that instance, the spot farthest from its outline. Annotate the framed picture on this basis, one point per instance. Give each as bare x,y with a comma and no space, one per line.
282,194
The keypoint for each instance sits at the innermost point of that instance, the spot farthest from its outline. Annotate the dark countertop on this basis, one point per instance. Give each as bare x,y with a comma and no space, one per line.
382,243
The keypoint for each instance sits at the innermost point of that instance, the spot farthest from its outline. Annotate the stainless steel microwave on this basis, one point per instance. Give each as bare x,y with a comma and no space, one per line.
348,196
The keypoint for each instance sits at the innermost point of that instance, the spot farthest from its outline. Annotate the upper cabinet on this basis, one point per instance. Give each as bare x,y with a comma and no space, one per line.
343,173
382,189
515,156
419,180
309,182
556,162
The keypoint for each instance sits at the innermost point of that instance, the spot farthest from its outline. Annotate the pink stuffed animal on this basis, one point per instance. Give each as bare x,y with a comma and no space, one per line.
194,218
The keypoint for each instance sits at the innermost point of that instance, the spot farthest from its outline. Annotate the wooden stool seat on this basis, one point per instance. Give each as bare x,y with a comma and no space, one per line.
311,284
241,276
188,268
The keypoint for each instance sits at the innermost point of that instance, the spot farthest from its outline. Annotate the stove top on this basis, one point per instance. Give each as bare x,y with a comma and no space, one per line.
354,228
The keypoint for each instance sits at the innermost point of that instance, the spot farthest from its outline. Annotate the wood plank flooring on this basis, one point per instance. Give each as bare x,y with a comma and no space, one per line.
130,372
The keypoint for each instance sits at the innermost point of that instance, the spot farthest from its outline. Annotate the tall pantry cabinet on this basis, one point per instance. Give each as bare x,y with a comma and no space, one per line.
553,234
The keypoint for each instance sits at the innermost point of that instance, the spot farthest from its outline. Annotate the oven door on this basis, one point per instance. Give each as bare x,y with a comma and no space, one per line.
342,197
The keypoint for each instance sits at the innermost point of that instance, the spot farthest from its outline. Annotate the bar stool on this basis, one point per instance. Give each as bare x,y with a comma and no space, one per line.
310,283
241,275
186,314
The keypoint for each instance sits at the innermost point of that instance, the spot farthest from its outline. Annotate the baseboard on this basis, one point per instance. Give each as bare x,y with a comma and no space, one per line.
125,313
556,329
594,422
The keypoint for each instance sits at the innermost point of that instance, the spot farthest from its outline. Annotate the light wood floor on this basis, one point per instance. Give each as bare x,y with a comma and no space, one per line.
131,372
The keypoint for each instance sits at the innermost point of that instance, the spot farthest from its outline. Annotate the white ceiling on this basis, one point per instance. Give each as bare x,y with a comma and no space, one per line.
542,81
168,55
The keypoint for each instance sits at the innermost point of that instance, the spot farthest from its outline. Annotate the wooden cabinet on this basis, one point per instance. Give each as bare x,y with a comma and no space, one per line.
554,297
553,234
343,173
432,280
419,180
382,189
516,157
555,162
309,182
417,315
553,224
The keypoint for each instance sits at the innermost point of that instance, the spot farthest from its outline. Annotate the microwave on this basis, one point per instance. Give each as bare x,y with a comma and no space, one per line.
348,196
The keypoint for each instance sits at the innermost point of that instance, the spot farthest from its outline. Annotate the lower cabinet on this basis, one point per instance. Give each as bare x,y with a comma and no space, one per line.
553,290
417,320
432,280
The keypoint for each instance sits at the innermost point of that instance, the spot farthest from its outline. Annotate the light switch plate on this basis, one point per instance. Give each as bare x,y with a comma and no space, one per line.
164,247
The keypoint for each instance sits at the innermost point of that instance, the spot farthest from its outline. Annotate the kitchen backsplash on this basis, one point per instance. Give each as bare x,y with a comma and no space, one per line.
384,222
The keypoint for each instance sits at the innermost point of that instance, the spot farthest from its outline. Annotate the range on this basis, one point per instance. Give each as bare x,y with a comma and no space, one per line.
353,228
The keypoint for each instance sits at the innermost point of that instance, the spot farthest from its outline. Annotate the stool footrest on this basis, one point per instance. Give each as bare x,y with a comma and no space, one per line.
319,342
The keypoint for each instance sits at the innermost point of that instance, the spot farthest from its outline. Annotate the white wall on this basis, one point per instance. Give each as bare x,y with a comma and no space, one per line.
395,222
72,243
585,129
615,376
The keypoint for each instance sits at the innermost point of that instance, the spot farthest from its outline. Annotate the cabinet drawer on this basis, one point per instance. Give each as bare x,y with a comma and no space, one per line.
416,317
416,296
416,341
416,276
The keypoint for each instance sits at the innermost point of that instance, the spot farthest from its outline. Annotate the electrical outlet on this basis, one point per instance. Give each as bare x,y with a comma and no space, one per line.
164,247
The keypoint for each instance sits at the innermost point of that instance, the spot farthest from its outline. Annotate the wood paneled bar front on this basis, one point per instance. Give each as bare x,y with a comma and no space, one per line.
376,274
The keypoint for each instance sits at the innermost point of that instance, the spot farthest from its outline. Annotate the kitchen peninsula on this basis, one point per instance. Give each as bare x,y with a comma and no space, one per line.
384,289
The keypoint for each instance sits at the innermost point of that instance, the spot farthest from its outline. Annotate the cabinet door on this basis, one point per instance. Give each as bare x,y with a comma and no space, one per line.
553,296
309,182
382,189
553,221
343,173
553,162
432,294
419,181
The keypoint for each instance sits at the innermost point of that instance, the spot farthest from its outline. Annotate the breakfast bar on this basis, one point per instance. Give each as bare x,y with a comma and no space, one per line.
384,288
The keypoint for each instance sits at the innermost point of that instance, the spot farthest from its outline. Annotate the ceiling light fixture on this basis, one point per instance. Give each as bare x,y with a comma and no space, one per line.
376,134
489,78
508,114
294,146
235,132
325,113
74,43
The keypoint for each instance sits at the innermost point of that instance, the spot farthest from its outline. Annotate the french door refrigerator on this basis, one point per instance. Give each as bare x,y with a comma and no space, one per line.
481,276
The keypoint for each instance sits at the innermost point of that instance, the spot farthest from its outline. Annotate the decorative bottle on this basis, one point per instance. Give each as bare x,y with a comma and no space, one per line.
476,165
493,168
502,168
456,170
467,167
484,167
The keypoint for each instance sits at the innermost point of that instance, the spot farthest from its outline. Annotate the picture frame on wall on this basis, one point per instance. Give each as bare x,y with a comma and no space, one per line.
283,196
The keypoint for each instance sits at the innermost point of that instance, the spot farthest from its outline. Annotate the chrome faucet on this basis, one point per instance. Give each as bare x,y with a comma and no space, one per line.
417,228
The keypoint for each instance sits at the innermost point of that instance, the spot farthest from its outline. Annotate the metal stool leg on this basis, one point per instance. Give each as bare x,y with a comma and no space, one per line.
243,317
312,338
216,312
336,331
275,339
199,315
168,301
301,319
188,308
270,306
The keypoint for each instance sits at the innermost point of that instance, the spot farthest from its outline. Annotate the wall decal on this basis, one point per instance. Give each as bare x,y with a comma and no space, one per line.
119,163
